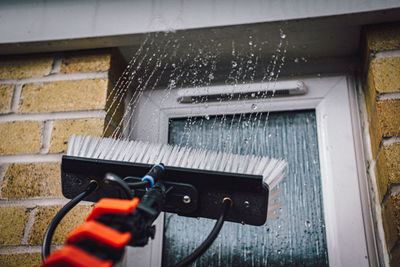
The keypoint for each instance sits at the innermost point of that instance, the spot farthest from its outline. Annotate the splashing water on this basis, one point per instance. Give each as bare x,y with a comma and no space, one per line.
170,61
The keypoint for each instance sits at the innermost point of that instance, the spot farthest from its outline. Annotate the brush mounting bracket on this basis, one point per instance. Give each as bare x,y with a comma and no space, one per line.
193,193
180,198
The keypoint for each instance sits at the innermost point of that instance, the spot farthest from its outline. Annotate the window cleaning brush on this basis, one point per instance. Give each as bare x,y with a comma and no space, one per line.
196,179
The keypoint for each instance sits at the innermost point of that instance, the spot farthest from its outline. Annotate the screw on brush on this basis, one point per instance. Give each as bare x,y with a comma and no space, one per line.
186,199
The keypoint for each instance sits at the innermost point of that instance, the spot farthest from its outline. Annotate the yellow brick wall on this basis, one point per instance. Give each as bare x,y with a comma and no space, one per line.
382,98
45,98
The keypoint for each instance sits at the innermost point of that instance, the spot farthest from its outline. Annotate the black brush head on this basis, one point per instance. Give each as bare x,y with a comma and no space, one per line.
190,192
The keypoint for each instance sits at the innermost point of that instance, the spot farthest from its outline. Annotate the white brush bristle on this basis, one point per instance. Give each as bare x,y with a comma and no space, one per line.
272,170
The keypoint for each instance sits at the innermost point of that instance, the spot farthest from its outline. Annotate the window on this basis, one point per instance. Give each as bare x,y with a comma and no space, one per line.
330,99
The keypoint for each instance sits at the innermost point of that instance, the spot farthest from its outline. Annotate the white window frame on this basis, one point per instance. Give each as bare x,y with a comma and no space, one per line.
349,231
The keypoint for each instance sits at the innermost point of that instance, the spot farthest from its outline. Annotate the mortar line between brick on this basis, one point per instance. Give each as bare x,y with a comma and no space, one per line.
389,96
28,226
23,249
394,189
97,113
57,64
16,97
30,158
31,203
387,141
388,54
46,137
59,77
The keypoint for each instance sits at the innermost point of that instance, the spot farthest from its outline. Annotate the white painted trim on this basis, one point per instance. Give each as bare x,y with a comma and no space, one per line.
340,166
375,206
35,20
364,182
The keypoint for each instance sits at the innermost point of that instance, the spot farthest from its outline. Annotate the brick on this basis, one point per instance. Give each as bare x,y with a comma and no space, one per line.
385,73
6,93
25,66
392,153
87,61
22,259
20,137
64,96
390,225
43,217
387,167
388,112
12,226
63,129
30,180
385,122
115,106
383,37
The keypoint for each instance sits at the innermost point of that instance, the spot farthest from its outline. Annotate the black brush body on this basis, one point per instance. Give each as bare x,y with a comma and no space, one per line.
190,192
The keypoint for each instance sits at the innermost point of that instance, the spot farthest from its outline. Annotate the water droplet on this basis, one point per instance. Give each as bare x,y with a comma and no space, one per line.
250,42
270,135
253,106
173,65
279,251
247,204
172,83
242,222
307,223
207,117
272,73
304,59
234,64
253,94
249,61
211,76
283,35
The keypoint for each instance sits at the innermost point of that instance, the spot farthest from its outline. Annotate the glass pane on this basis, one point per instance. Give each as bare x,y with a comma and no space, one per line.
297,236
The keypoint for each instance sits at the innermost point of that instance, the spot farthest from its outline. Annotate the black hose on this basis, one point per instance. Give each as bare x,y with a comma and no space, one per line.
48,236
227,202
138,184
111,177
